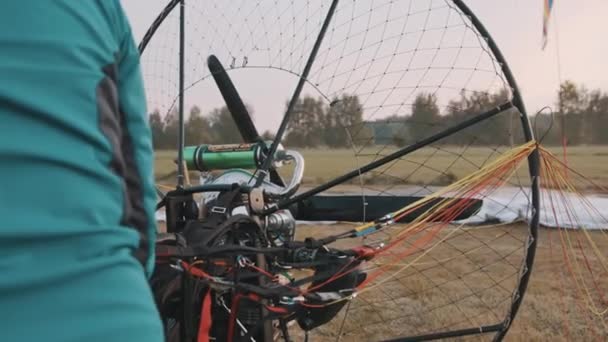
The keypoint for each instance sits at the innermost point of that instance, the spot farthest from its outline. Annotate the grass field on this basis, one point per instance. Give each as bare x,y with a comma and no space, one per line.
551,311
426,166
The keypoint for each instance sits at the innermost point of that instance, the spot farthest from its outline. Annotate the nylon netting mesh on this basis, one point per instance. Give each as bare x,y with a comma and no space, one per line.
410,69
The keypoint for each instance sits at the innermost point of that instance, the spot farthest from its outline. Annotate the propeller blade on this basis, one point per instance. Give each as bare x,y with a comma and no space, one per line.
348,208
233,101
237,108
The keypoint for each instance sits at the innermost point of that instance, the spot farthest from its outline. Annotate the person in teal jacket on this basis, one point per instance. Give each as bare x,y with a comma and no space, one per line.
76,176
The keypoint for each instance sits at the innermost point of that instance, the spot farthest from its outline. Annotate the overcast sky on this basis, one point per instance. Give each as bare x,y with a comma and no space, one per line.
582,28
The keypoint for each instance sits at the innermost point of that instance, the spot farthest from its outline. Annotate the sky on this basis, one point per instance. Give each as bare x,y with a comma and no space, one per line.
578,30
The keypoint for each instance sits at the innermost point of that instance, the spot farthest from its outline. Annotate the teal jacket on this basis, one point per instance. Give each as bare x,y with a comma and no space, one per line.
76,175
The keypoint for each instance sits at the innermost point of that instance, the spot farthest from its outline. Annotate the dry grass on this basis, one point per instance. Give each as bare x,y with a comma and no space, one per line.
552,309
416,304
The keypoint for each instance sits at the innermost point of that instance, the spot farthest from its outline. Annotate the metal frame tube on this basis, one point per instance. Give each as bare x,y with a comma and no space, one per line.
296,93
533,163
449,334
180,136
395,155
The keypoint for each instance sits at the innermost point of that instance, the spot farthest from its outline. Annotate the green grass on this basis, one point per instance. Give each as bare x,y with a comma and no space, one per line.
426,166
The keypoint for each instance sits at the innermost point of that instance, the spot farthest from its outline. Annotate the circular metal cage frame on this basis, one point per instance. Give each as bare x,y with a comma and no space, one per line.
500,328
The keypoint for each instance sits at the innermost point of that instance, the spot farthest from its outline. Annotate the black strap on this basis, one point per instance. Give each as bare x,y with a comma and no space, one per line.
227,225
223,206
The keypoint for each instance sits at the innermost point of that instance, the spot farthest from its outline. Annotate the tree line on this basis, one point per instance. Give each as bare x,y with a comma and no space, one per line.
427,118
314,123
338,124
217,127
579,114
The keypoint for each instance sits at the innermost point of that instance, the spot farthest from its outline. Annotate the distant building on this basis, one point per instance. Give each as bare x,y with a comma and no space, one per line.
387,131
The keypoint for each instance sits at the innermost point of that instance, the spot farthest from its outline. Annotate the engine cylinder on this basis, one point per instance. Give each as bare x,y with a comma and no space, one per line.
280,226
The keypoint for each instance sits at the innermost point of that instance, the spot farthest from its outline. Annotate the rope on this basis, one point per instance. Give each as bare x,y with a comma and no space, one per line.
559,189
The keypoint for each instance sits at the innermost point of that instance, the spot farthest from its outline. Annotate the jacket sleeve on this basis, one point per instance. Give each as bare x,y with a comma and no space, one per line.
137,139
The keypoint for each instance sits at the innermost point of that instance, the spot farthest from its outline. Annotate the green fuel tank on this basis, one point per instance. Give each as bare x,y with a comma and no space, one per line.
223,157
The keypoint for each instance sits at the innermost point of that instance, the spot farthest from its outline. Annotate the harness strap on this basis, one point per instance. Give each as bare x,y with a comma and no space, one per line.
205,322
233,316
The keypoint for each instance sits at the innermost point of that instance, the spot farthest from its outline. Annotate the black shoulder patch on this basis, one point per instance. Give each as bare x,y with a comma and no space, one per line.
112,122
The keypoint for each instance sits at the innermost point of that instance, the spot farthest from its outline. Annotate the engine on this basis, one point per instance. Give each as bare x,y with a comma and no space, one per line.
228,256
